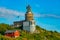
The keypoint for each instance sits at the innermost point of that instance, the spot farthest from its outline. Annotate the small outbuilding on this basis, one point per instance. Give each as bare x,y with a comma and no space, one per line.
12,33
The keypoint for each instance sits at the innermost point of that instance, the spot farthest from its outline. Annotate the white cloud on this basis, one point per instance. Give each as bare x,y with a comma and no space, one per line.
46,15
5,12
50,15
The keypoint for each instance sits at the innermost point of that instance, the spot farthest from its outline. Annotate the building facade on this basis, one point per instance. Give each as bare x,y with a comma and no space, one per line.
28,24
12,33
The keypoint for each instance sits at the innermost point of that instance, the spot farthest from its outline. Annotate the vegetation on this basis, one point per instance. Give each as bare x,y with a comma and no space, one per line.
41,34
4,27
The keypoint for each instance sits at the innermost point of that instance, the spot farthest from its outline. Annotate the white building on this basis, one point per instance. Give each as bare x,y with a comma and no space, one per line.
29,23
29,26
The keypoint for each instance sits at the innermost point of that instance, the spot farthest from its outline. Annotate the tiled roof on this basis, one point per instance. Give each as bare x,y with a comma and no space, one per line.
19,21
10,31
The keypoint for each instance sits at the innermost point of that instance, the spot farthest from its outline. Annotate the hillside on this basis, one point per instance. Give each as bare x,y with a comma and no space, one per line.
41,34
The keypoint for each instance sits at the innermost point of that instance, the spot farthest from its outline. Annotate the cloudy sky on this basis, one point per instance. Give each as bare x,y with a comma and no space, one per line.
46,12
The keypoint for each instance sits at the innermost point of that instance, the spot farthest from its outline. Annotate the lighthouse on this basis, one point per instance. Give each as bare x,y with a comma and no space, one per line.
29,23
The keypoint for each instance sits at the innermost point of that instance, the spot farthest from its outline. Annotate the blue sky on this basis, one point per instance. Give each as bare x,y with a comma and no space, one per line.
46,12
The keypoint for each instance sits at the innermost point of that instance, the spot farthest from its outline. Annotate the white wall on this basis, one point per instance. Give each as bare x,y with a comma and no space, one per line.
28,27
32,28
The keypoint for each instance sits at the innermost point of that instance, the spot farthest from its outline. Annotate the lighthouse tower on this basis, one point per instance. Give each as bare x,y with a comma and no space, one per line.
29,24
29,14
